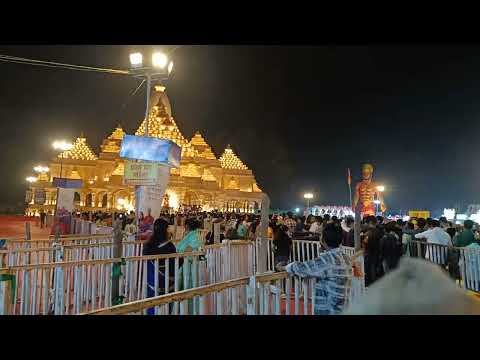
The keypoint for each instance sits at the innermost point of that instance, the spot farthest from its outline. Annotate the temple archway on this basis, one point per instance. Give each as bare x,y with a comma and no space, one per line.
89,200
76,198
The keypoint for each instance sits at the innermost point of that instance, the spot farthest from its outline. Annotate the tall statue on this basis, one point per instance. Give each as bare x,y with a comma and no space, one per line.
365,192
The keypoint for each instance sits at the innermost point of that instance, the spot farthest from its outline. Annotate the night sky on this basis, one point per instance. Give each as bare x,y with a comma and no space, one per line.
297,116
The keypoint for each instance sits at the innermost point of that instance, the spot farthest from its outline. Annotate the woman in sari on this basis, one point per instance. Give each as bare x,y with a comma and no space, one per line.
159,244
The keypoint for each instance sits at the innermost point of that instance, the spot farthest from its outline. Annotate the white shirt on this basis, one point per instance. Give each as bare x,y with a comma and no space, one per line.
436,236
314,228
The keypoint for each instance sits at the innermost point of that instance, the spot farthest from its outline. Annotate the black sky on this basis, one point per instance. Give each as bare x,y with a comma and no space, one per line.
298,116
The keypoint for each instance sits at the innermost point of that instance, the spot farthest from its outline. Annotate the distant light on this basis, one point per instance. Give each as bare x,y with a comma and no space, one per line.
121,202
62,145
159,60
170,67
106,179
308,196
41,169
31,179
449,214
461,217
136,60
297,210
381,188
376,201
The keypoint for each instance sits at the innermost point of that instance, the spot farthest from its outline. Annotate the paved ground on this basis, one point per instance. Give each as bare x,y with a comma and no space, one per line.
14,227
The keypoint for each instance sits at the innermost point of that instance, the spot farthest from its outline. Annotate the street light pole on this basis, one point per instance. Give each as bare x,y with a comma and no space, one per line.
149,86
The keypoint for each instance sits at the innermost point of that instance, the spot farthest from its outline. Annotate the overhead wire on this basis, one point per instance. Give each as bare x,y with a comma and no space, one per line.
52,64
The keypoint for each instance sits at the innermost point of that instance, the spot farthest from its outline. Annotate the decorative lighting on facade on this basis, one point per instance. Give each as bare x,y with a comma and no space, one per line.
230,161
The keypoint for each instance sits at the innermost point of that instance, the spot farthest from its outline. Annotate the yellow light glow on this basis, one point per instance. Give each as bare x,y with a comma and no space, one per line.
121,202
381,188
31,179
41,169
308,196
159,60
62,145
170,67
106,179
136,60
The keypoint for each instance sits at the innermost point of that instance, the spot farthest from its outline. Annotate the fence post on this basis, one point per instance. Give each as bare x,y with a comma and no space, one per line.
7,292
28,234
263,250
356,227
117,254
252,296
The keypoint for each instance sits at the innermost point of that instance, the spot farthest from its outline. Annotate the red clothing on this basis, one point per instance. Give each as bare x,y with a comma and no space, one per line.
148,219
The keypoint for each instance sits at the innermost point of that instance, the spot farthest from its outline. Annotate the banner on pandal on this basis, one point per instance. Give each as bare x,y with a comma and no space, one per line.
419,214
65,199
28,196
140,173
40,197
151,197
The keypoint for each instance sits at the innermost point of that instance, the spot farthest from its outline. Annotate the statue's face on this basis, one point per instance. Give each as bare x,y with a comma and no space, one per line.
366,173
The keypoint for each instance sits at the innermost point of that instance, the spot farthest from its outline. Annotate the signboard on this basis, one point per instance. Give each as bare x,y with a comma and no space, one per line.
151,197
67,183
40,196
65,199
28,196
162,151
419,214
140,173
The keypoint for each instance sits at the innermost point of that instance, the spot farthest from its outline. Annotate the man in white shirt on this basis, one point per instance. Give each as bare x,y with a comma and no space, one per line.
436,235
316,227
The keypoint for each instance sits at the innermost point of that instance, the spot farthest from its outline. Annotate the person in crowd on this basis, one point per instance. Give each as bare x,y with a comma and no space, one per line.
333,273
332,235
282,245
451,230
371,243
419,227
191,240
148,220
317,226
390,247
415,288
348,233
241,229
43,216
130,228
466,237
407,236
435,235
158,244
290,223
300,226
210,237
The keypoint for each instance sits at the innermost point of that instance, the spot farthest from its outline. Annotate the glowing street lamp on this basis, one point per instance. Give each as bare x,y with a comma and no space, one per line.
62,146
136,60
381,188
159,60
308,197
41,169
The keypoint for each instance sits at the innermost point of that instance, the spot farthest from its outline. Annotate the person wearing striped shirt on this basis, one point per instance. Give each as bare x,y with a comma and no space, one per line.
333,273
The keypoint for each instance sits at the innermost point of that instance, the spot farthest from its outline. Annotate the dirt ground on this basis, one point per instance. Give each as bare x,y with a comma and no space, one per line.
14,227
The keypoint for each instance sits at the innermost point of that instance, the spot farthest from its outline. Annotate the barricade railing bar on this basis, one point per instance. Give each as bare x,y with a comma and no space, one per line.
86,283
463,264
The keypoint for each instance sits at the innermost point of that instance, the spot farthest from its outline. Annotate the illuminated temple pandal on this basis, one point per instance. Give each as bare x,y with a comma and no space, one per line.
203,180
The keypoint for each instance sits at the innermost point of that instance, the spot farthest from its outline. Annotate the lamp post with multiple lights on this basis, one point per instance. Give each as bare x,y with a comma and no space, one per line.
308,197
377,202
62,146
159,69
